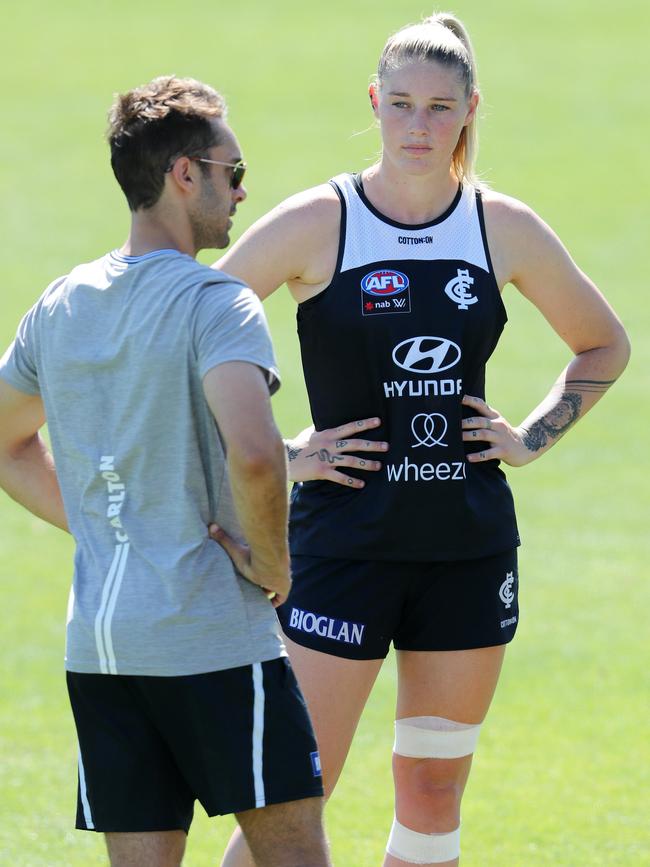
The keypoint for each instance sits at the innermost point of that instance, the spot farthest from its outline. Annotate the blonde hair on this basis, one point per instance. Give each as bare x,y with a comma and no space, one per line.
441,38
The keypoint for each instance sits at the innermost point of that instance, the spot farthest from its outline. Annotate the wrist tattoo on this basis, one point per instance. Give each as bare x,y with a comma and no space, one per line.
554,423
324,455
292,452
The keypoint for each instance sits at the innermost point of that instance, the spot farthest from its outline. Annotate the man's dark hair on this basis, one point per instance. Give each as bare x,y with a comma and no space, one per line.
152,125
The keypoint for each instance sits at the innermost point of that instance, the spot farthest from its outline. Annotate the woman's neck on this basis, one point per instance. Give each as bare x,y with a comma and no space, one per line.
409,198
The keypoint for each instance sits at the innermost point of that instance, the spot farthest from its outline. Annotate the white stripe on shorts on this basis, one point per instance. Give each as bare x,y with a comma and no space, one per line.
88,816
258,734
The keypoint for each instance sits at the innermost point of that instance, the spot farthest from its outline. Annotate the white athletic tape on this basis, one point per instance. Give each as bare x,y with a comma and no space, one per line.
433,737
416,848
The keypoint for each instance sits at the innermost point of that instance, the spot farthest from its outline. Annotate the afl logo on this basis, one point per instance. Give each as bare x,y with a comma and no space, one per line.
384,283
426,354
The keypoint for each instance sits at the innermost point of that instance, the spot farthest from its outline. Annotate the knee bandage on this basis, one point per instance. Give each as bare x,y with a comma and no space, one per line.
416,848
433,737
429,737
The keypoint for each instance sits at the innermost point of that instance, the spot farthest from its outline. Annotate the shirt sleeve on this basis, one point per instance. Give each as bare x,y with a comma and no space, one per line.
229,325
19,366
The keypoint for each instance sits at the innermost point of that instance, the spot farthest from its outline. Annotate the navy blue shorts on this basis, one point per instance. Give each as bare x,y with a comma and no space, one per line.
356,608
150,746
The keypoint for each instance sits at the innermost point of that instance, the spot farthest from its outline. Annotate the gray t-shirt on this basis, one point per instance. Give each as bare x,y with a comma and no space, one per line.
117,350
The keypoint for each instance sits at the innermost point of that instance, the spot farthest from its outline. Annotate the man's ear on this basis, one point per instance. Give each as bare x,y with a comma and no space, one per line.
182,174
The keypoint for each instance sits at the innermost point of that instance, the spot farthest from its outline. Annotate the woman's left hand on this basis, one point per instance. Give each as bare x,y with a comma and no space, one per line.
506,443
317,454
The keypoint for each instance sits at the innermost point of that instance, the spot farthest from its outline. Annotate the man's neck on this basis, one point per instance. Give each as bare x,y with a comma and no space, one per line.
151,231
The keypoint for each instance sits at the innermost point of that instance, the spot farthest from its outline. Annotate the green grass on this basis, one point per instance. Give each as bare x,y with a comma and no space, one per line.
561,775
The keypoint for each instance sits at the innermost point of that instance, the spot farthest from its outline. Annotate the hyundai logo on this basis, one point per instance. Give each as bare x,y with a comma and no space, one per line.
426,354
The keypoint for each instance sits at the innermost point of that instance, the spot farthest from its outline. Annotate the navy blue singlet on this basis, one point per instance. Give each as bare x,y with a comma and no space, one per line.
404,329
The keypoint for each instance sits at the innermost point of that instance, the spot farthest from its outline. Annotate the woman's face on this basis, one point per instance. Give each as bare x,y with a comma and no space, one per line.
422,109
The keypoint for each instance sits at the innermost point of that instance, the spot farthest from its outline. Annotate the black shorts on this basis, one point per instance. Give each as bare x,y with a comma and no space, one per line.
356,608
149,746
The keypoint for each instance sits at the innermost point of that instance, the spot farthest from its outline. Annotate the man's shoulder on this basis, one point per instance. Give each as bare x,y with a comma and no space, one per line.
48,297
172,273
163,278
214,290
185,274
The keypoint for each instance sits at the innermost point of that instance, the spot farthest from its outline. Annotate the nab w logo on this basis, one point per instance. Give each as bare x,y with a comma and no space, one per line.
384,283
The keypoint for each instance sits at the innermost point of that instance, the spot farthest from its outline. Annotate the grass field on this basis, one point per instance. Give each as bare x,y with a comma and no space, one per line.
561,776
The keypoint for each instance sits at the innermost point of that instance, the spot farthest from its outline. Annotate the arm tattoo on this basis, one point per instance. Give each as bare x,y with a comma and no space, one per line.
554,423
292,453
324,455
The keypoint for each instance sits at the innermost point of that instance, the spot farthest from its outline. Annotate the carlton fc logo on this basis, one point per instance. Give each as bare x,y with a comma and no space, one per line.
506,593
458,289
388,290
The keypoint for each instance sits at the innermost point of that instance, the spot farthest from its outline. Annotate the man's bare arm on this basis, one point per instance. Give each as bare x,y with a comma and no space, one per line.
27,470
239,399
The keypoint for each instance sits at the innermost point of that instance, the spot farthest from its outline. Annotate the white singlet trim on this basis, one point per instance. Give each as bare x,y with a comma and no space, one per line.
83,793
258,734
433,737
369,237
416,848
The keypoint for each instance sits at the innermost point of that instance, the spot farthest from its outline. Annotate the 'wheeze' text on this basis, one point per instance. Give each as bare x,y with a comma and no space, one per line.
442,472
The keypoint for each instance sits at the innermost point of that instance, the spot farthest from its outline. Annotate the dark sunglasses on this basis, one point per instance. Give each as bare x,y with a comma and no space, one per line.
238,169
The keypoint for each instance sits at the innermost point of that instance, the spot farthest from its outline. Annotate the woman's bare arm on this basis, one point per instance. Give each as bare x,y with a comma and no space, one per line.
296,243
527,253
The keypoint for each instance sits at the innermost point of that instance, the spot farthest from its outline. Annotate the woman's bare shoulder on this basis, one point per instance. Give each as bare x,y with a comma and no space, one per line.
296,242
505,211
316,204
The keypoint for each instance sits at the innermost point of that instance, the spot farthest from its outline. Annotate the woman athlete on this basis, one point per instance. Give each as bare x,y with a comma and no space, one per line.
397,273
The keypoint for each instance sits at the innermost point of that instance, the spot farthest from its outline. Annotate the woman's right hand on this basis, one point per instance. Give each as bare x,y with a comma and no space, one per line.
324,454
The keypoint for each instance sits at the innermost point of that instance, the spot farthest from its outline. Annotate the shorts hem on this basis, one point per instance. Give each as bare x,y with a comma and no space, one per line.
107,829
336,651
278,799
466,646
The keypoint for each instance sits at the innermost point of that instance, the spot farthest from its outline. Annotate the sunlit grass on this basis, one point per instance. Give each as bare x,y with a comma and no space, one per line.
561,774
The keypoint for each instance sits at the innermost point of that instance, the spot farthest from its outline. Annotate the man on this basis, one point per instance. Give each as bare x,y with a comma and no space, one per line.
177,676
